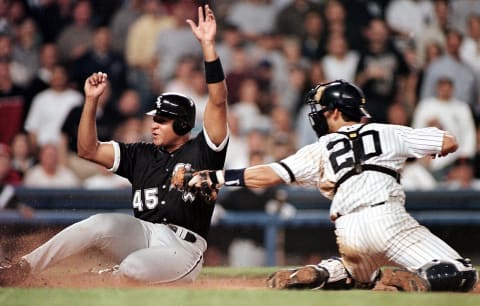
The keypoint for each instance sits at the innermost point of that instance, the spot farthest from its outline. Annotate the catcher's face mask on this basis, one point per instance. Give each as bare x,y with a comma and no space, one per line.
316,116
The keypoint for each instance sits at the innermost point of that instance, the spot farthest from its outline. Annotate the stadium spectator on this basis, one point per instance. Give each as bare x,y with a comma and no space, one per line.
49,173
460,10
451,65
129,104
470,48
237,151
381,70
435,31
289,20
25,52
461,176
12,103
339,62
181,80
176,41
230,39
76,38
240,70
8,175
337,22
140,49
100,57
52,17
282,141
105,179
22,155
48,58
50,108
253,17
314,37
247,108
446,112
121,22
409,18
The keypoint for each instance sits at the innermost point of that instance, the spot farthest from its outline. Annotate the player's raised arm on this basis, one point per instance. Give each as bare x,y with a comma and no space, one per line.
215,116
88,145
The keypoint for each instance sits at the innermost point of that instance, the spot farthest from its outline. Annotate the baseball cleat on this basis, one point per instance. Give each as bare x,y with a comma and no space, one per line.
12,274
404,280
307,277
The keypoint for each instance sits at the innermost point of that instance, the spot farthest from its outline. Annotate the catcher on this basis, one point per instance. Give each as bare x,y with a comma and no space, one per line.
373,228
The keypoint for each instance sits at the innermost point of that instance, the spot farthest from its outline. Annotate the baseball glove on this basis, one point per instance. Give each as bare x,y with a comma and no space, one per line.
306,277
181,175
200,182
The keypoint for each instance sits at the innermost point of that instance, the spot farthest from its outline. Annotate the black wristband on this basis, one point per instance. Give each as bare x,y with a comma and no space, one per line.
235,177
214,71
213,177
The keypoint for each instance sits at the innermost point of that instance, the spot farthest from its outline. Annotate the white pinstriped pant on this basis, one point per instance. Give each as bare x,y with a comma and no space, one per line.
385,235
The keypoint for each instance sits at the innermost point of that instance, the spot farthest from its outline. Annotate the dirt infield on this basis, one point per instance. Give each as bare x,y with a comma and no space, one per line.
81,272
75,272
83,281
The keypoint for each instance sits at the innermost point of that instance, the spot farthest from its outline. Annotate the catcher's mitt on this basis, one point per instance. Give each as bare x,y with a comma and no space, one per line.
398,279
306,277
203,187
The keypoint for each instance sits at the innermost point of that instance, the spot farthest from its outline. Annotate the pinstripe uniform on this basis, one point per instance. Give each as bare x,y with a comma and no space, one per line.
372,226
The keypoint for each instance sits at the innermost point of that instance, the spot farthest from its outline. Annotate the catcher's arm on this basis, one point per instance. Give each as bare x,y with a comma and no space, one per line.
252,177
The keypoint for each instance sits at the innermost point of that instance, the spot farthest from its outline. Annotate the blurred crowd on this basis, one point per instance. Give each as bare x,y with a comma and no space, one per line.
418,62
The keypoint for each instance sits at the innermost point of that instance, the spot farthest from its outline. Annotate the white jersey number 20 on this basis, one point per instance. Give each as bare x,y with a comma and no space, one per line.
365,146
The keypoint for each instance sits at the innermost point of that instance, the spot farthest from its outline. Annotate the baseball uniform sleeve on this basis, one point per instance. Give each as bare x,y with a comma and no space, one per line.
422,142
303,168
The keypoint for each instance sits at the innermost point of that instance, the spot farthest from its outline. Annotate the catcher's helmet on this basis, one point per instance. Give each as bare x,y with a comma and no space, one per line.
178,107
340,94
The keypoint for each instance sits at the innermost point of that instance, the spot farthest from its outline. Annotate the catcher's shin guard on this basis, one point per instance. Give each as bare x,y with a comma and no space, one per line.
307,277
448,276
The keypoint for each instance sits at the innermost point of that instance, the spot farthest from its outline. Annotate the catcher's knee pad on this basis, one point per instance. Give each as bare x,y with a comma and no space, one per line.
448,276
338,276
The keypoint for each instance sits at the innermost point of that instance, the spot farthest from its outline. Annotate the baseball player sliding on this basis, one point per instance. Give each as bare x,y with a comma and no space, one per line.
165,240
357,165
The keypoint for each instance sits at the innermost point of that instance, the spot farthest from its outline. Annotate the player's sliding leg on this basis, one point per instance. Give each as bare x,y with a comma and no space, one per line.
115,234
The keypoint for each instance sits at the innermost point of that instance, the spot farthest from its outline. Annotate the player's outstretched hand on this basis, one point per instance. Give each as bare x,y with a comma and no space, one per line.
95,85
206,29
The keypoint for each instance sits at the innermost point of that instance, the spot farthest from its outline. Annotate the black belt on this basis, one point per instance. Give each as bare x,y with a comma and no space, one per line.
187,237
337,215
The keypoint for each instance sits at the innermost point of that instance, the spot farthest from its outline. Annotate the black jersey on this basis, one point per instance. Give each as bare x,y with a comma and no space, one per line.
149,169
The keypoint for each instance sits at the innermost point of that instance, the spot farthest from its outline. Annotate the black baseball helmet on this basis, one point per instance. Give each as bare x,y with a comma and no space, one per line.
339,94
178,107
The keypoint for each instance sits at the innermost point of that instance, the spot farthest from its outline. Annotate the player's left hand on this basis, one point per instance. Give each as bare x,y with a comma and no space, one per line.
206,29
